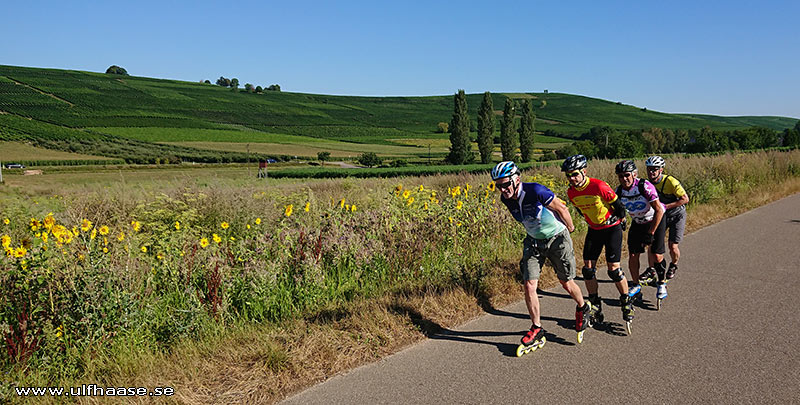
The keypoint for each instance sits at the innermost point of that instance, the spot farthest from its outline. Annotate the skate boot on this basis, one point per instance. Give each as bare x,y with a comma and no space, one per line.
648,278
671,271
532,340
583,319
626,302
635,292
661,293
596,310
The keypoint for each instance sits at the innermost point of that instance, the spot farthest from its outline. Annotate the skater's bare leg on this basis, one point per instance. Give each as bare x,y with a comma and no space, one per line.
633,265
674,252
574,291
532,300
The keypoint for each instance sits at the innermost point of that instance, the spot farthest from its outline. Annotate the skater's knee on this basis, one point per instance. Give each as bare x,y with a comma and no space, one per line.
588,273
616,274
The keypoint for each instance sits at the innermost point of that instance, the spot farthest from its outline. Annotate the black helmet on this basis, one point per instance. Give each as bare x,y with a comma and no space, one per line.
574,162
625,166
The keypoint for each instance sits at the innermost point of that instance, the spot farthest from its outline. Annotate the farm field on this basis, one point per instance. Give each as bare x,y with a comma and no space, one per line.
131,117
16,151
336,149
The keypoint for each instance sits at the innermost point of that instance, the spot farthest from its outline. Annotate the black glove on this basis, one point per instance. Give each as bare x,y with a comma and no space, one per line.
624,224
648,239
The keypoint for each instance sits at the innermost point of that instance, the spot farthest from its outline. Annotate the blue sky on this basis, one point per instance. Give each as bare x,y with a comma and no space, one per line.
714,57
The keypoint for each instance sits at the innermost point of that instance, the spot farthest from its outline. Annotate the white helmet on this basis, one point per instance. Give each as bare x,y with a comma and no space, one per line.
655,161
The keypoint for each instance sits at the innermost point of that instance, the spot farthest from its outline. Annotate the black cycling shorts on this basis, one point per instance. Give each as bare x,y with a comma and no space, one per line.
597,239
636,237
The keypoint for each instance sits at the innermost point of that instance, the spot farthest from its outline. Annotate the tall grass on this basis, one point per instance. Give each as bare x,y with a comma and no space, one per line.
89,279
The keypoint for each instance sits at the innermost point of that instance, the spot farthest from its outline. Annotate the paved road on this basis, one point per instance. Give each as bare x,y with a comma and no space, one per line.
728,333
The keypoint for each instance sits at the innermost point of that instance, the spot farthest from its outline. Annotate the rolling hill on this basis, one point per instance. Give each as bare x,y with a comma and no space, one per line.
126,116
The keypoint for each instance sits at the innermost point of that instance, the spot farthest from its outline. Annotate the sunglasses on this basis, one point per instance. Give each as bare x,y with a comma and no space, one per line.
504,185
624,175
573,174
653,169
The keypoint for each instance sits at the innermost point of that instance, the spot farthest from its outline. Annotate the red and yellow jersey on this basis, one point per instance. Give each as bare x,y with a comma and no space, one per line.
594,201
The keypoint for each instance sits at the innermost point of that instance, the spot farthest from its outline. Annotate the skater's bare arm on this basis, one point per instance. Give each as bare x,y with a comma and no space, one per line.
559,208
659,214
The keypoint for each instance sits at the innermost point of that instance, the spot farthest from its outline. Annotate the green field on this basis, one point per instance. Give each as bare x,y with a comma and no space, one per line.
132,118
16,151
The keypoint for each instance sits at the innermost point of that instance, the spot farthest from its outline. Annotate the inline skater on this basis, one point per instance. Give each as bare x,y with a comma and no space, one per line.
605,215
647,228
547,223
674,198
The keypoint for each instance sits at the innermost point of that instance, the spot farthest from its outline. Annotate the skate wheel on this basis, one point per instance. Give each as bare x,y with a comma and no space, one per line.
521,349
628,327
580,337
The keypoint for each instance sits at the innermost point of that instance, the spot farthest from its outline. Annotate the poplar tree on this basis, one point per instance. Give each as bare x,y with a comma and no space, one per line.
508,138
460,148
486,128
526,132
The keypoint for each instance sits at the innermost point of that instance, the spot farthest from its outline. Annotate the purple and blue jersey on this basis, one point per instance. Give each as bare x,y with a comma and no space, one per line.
530,209
638,203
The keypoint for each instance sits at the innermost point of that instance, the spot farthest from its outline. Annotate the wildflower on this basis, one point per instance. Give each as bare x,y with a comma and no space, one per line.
93,234
5,240
6,221
216,238
233,239
490,187
86,225
341,203
121,236
160,256
204,243
307,207
81,257
397,189
105,250
248,226
288,211
410,201
49,221
425,206
20,252
105,241
144,249
353,208
406,194
258,221
224,225
34,225
103,230
75,230
136,225
44,237
421,189
177,225
459,205
450,219
60,331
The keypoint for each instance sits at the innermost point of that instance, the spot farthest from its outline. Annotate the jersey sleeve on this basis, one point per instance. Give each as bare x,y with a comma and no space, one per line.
650,191
543,194
677,187
606,192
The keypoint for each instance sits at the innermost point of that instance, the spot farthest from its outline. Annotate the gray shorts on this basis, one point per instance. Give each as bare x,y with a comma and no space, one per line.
558,249
676,223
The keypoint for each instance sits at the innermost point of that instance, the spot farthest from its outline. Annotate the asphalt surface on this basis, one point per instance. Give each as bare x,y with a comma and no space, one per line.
727,333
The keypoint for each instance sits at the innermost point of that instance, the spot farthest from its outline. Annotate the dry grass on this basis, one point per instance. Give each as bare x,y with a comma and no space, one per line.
243,368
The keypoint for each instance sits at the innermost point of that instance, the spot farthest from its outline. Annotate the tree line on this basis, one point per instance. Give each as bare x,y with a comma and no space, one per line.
606,142
233,84
600,141
511,137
